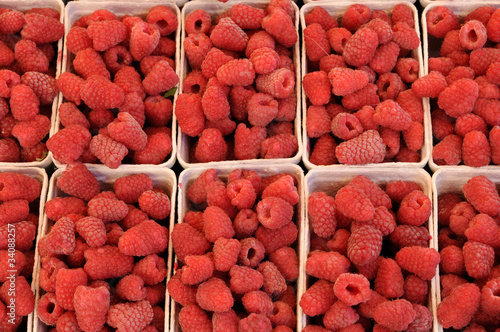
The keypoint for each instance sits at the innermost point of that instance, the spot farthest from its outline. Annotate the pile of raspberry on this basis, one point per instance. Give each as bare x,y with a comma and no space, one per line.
235,249
239,100
103,261
464,86
28,54
469,243
118,94
369,264
360,109
19,208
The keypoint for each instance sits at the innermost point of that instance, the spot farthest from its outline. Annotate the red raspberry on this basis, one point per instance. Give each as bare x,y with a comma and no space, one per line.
364,245
144,239
100,118
151,269
283,187
246,17
92,230
365,148
255,322
226,253
389,86
405,36
283,315
99,93
23,296
197,269
214,101
216,224
70,84
134,217
446,202
321,211
12,21
245,279
482,14
212,61
67,282
42,29
25,234
287,262
338,37
180,292
239,97
448,98
248,141
407,235
61,239
258,40
273,239
382,28
78,39
374,193
131,288
385,58
355,16
262,109
106,34
9,149
274,212
30,58
481,59
418,260
164,18
490,301
448,151
324,151
24,103
317,121
360,48
280,83
280,25
478,258
129,188
456,313
321,16
228,35
403,13
452,260
48,310
492,73
394,315
132,315
327,265
389,281
389,114
193,318
411,104
30,133
37,152
318,298
440,20
354,203
316,42
258,302
43,85
398,190
345,81
211,146
214,295
78,181
197,21
352,288
126,130
407,69
476,150
317,88
88,62
70,115
252,252
459,73
445,65
493,23
58,207
488,110
470,122
16,186
130,81
144,38
340,315
415,209
155,204
241,193
481,193
225,321
274,282
157,149
460,216
108,151
415,289
430,85
158,110
482,228
107,262
161,78
48,272
194,82
329,62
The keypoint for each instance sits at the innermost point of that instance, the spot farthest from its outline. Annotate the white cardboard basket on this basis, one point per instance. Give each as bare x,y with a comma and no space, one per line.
40,175
451,180
425,3
163,178
179,3
189,175
183,145
58,5
75,10
431,49
337,9
330,181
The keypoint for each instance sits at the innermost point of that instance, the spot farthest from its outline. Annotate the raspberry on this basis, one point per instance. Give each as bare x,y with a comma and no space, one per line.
274,282
151,269
488,109
394,315
340,315
446,202
92,230
126,130
418,260
257,302
214,295
252,252
70,115
283,315
61,239
130,315
402,13
492,73
415,209
445,65
321,211
228,35
108,151
273,239
9,150
226,253
42,29
452,260
193,318
352,288
155,204
451,312
246,17
197,270
389,114
354,203
407,69
144,239
98,93
248,141
448,98
448,151
70,84
241,193
216,223
197,21
316,42
12,22
469,122
164,18
25,234
225,321
67,282
415,289
186,240
327,265
482,14
144,37
245,279
48,310
389,281
280,25
161,78
363,149
493,35
460,216
476,150
345,81
131,288
106,34
30,58
481,59
283,188
129,188
78,181
157,149
318,298
88,63
107,262
180,292
489,297
440,20
24,104
385,58
482,228
317,88
58,207
355,16
430,85
481,193
30,133
78,39
262,109
287,262
317,121
478,259
255,322
43,85
405,36
279,83
280,146
360,48
323,152
320,15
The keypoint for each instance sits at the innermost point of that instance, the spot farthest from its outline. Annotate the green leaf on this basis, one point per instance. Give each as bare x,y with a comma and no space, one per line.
170,92
43,156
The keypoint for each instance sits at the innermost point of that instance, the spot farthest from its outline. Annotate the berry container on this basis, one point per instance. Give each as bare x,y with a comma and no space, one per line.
451,180
431,46
425,3
41,176
58,5
162,177
179,3
184,142
75,10
330,181
337,10
189,175
359,1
